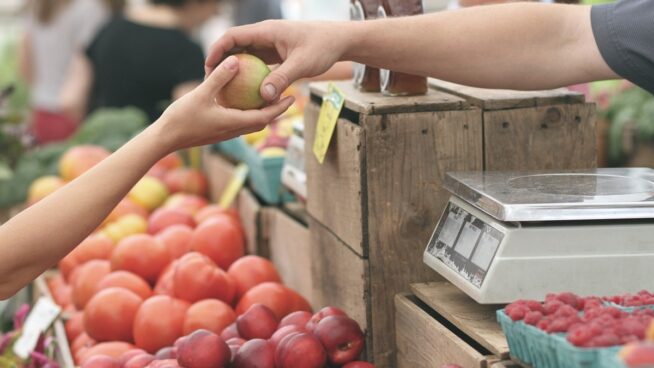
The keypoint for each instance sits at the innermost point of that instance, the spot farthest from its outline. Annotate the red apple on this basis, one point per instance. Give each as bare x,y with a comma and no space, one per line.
256,353
299,318
360,364
229,332
203,349
139,361
342,338
243,91
258,322
301,350
325,312
280,334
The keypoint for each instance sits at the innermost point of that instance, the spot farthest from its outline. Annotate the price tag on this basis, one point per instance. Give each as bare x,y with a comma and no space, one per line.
40,318
332,103
234,186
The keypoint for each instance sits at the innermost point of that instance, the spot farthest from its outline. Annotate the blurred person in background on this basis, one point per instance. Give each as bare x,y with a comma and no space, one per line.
253,11
144,58
55,30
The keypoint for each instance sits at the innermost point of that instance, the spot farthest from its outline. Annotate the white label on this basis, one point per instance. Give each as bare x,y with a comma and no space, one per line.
485,251
450,229
40,318
467,240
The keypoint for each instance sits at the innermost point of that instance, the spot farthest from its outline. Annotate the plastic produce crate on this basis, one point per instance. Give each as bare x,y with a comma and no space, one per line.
543,350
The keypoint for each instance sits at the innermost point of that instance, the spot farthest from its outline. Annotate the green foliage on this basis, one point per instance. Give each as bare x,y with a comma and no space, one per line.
109,128
631,108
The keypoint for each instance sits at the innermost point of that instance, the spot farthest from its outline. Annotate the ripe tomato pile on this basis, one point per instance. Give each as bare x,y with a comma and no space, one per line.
165,282
587,322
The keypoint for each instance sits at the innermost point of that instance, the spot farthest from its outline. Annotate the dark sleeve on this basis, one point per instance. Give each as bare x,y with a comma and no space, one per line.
624,32
189,64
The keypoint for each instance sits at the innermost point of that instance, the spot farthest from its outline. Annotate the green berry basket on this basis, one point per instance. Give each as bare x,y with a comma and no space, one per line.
611,359
235,148
265,174
542,350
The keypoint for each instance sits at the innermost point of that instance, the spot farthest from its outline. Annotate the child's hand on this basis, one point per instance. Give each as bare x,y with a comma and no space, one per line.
197,119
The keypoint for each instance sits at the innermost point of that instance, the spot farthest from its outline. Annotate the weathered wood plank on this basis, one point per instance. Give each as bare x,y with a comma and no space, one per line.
500,99
423,342
377,103
541,138
476,320
254,219
290,252
407,158
334,187
340,276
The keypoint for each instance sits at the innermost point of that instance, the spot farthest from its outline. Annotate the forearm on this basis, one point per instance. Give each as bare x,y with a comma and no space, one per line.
38,237
518,46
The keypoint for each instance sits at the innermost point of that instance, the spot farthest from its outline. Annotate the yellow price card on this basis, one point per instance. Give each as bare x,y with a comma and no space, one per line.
332,103
234,186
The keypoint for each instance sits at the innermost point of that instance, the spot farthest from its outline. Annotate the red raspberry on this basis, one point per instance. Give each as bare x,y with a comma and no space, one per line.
566,310
550,307
591,303
535,306
518,312
614,312
562,324
624,340
569,299
533,317
544,324
580,334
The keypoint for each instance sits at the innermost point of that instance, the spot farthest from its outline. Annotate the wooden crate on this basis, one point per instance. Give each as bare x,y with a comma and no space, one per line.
219,171
537,130
440,325
290,251
375,200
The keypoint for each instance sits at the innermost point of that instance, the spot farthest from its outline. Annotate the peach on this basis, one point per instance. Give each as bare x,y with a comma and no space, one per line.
342,338
323,313
139,361
258,322
243,91
101,361
256,353
125,207
79,159
230,332
109,315
127,280
638,354
42,187
87,279
186,202
167,363
196,277
209,314
142,255
250,271
299,318
300,351
202,349
123,359
163,218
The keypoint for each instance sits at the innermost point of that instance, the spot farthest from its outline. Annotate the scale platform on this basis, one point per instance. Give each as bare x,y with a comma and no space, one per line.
514,235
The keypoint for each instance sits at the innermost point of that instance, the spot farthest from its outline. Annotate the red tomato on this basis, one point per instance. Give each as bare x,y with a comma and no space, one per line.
159,322
141,254
220,239
109,315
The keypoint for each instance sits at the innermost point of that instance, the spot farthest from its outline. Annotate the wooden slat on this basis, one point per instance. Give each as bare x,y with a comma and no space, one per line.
219,171
476,320
290,251
500,99
340,276
542,138
334,187
407,158
250,212
422,342
376,103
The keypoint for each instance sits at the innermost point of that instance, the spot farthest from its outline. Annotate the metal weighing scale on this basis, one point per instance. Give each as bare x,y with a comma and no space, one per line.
506,236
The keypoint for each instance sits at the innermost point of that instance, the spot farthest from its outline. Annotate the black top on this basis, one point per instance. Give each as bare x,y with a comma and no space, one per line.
139,65
624,32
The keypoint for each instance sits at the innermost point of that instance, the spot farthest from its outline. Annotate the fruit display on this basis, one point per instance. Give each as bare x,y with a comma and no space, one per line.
165,282
43,355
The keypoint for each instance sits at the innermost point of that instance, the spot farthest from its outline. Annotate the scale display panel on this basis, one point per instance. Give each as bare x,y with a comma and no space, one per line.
465,244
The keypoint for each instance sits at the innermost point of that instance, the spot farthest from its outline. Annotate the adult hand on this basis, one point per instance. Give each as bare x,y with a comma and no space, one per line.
197,119
304,49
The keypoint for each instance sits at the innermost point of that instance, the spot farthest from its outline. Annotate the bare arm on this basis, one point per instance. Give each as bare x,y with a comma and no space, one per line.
77,87
519,46
67,216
